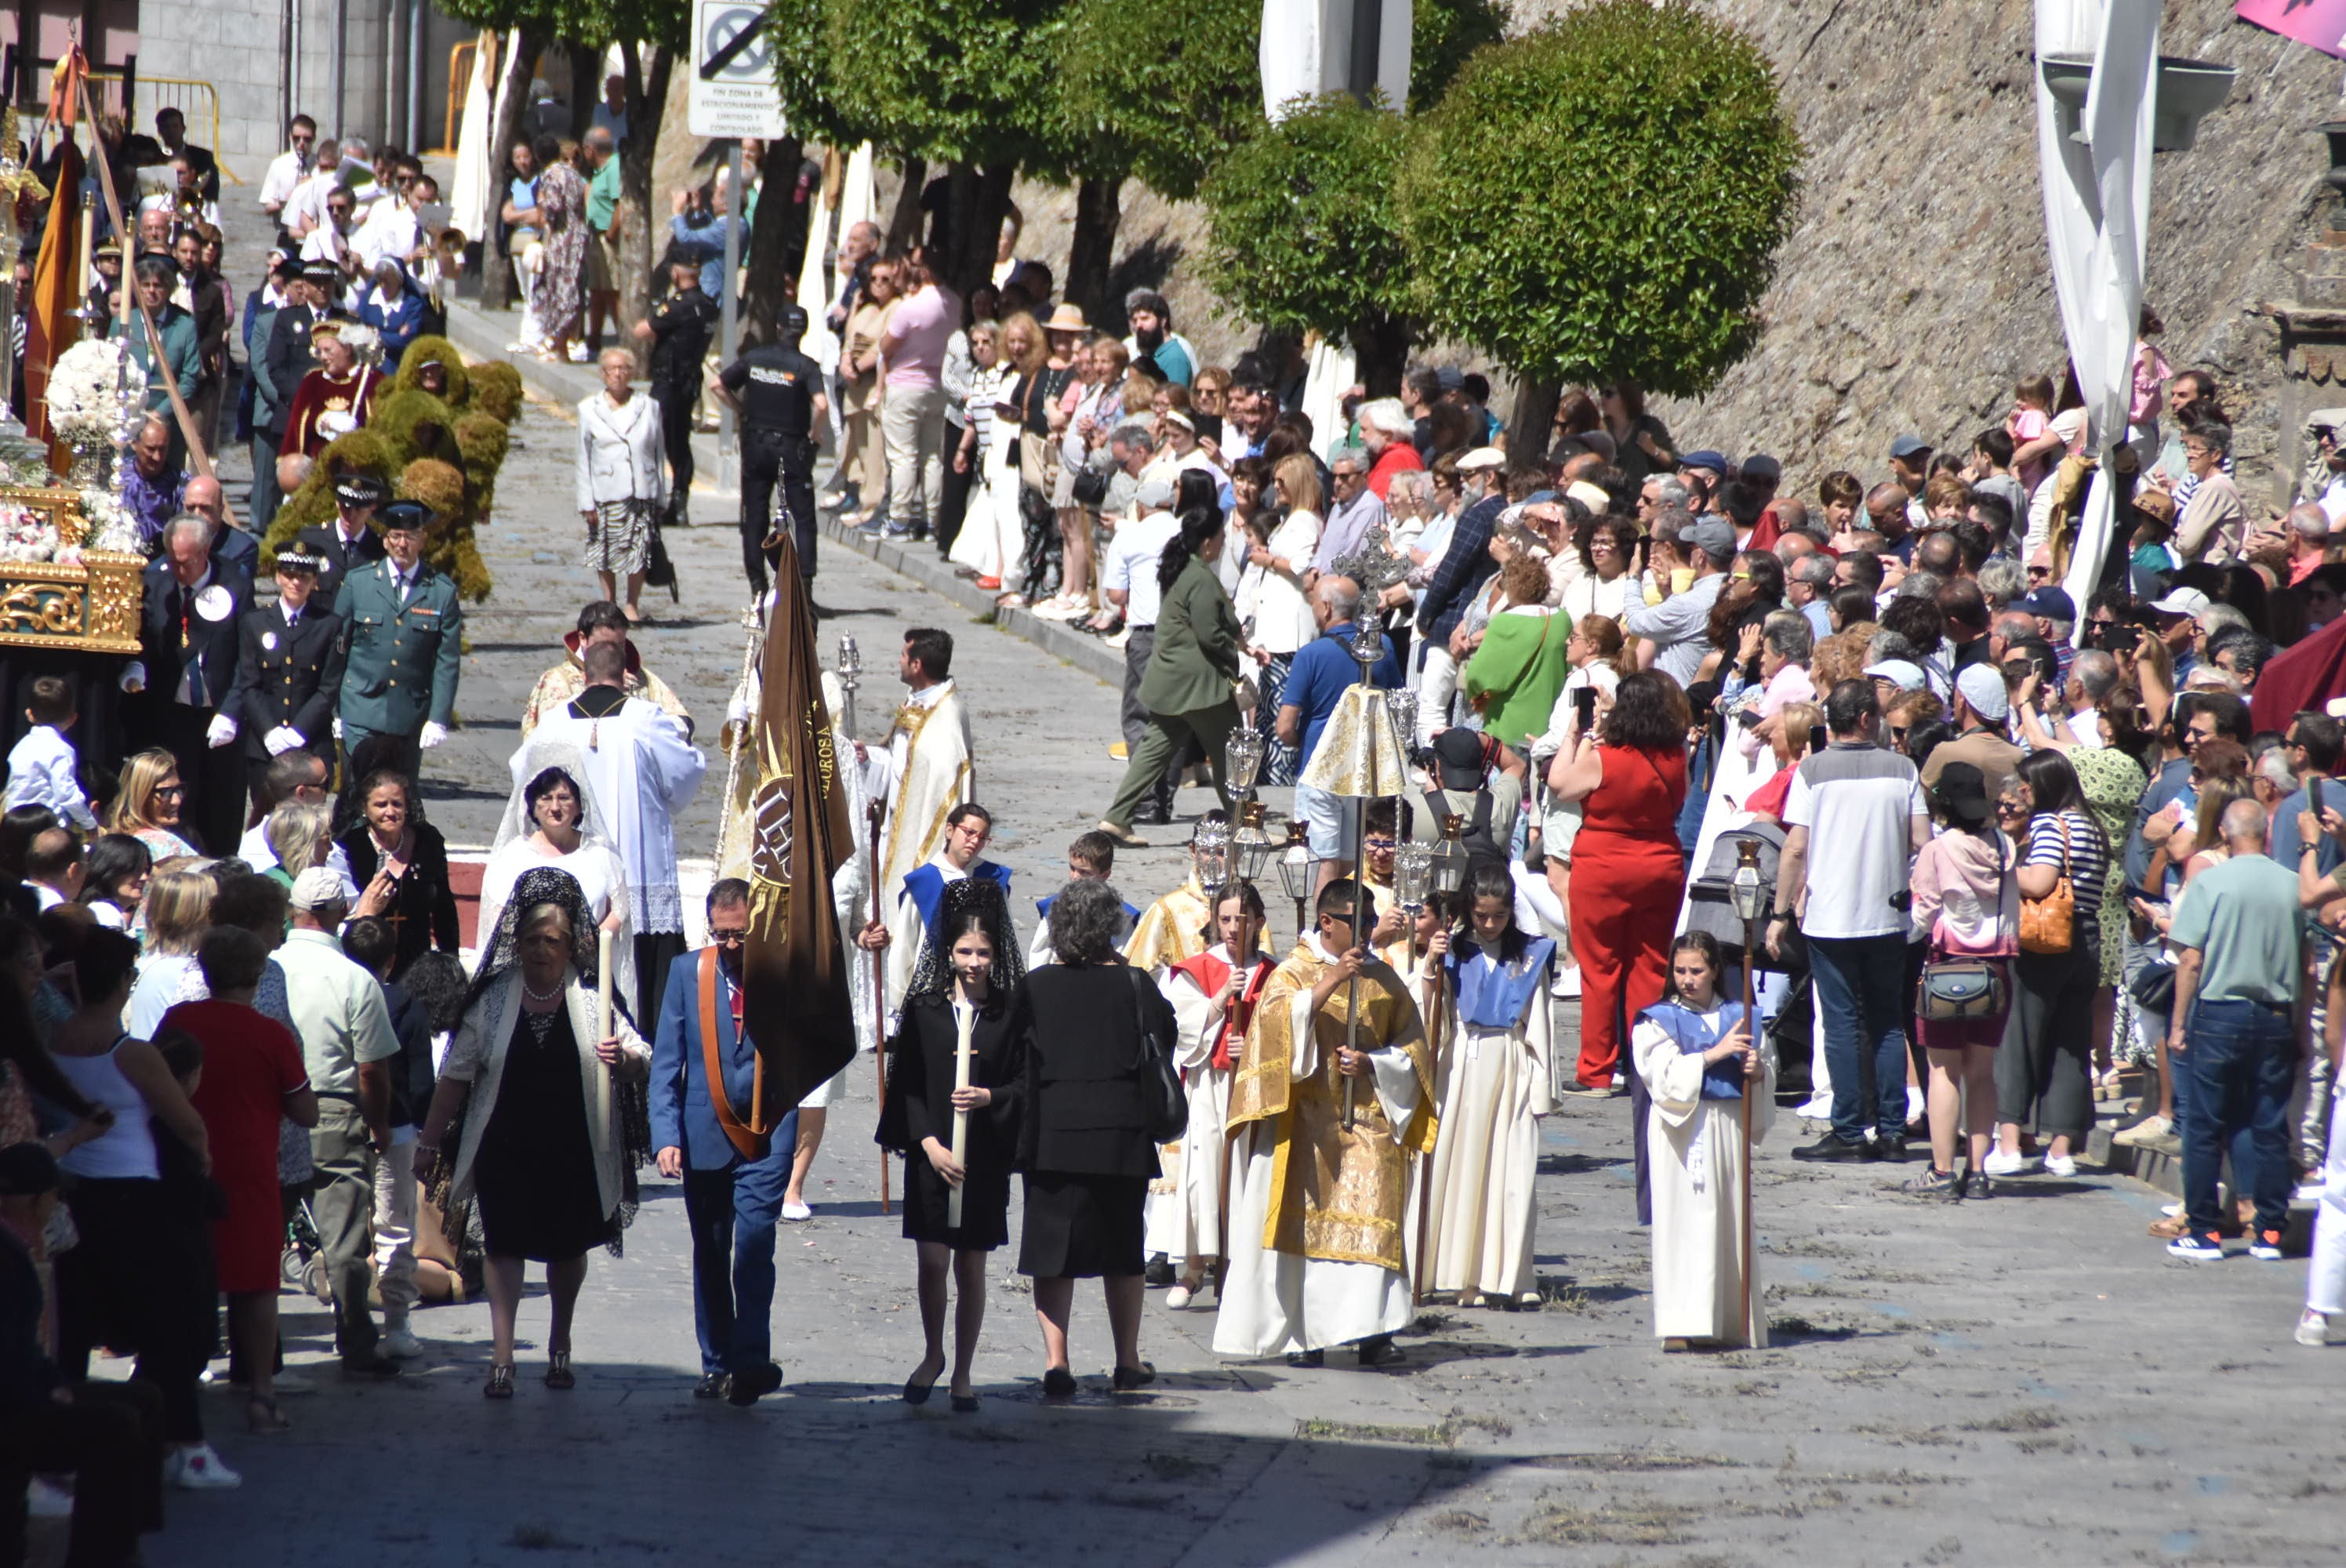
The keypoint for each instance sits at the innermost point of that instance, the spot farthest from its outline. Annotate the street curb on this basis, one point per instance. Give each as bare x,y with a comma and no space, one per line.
478,334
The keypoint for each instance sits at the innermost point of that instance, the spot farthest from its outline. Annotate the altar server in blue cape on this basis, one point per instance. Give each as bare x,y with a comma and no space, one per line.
1695,1052
1496,1086
919,897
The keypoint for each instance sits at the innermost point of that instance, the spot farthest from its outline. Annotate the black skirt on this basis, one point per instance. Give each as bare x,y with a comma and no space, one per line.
1082,1227
534,1173
985,1205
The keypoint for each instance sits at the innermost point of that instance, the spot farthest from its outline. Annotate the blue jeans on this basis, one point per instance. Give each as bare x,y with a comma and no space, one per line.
1860,982
732,1213
2241,1057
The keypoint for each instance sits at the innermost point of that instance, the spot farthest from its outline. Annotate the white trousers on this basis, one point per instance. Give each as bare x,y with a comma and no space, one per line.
395,1228
2325,1284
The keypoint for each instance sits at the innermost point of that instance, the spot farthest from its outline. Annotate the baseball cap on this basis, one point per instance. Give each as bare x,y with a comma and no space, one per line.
1983,687
1962,791
27,1169
1714,536
1481,458
1909,446
1155,493
319,888
1452,379
1908,675
1760,465
1458,756
1714,461
2184,602
2054,603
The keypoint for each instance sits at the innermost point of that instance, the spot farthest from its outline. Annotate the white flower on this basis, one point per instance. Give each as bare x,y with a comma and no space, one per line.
85,391
361,338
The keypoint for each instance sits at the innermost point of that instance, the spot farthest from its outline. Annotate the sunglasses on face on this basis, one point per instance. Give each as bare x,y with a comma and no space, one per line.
728,938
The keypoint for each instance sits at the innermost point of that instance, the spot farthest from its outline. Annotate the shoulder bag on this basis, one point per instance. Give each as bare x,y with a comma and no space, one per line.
2049,924
1163,1102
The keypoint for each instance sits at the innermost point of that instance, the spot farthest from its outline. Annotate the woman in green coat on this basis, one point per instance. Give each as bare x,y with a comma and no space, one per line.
1514,675
1191,684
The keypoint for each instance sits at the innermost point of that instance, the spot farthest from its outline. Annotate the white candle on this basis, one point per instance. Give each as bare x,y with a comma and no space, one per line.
603,1026
965,1025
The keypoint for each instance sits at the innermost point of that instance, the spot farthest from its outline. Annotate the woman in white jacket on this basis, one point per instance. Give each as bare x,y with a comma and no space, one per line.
620,485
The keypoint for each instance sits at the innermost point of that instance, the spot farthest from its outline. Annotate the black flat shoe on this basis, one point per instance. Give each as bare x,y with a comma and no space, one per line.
917,1393
1381,1352
965,1404
1058,1383
1307,1358
749,1386
1127,1379
712,1386
1832,1146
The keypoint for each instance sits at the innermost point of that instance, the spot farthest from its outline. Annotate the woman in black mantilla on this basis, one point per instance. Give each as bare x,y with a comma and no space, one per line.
551,1176
968,974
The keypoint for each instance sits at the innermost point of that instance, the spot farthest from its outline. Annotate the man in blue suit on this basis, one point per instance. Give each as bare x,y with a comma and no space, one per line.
733,1178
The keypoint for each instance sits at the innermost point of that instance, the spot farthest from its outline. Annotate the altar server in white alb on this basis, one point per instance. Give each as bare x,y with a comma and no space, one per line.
1498,1051
1694,1050
641,770
930,769
1214,994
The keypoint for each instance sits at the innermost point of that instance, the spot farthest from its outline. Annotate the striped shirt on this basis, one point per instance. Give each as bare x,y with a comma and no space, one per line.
2088,857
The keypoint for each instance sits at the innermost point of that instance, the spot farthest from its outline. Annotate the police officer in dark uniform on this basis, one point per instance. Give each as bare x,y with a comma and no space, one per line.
288,672
350,541
679,328
778,393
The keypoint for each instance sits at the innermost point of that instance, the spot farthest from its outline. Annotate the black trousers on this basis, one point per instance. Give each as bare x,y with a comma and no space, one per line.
111,1437
946,523
676,404
769,459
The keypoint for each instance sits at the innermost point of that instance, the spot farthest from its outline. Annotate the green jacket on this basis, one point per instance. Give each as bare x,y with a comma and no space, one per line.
1198,645
1514,676
402,659
181,355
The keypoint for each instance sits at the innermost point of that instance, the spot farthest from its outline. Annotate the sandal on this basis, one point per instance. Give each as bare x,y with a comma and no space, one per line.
559,1374
500,1385
263,1416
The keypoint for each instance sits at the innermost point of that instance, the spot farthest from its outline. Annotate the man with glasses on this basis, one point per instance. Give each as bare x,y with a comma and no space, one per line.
1353,512
305,209
289,168
702,1083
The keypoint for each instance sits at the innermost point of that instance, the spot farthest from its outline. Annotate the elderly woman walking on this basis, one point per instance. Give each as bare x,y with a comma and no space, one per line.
619,486
549,1114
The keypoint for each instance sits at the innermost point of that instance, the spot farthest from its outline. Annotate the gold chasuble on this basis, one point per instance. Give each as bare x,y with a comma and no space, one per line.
1170,930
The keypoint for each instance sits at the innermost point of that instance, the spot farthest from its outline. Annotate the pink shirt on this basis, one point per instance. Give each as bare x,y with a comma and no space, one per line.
923,323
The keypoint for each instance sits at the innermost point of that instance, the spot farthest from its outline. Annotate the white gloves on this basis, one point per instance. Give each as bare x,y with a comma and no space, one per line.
133,677
221,733
736,711
434,734
283,739
338,726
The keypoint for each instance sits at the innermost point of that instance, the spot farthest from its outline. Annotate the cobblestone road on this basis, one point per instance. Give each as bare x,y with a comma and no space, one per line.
2029,1380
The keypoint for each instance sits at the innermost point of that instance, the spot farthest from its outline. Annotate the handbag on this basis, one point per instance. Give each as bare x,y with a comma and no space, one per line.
2049,924
1958,989
1090,487
2152,988
1164,1103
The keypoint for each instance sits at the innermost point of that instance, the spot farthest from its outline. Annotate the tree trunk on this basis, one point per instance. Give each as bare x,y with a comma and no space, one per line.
978,202
1091,253
646,97
1381,353
777,241
496,271
586,88
1529,432
905,227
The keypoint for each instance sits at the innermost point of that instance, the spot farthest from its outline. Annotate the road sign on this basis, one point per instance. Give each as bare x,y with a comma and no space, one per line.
733,92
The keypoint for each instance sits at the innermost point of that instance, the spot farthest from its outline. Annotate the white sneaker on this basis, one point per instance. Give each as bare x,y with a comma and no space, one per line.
795,1212
2312,1329
1817,1108
2001,1164
2056,1164
1567,983
401,1344
199,1469
2311,1190
1178,1297
2150,1129
1915,1103
2171,1210
578,355
1118,640
45,1499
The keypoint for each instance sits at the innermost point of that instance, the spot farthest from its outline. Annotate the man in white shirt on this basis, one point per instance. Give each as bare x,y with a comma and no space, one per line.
1854,817
330,243
390,232
1128,578
289,168
306,208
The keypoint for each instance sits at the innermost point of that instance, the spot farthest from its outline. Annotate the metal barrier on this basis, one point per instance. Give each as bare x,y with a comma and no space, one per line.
460,83
146,96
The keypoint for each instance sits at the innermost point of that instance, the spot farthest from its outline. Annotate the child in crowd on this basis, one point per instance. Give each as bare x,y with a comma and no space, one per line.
43,770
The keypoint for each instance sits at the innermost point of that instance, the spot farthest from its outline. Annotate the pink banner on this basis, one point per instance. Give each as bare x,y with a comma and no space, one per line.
2317,23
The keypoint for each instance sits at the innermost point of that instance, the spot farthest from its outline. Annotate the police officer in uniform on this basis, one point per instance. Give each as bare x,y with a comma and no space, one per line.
289,672
679,328
778,393
403,636
350,541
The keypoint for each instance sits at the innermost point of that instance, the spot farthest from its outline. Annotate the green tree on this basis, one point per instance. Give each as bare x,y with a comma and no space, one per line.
1603,198
1304,236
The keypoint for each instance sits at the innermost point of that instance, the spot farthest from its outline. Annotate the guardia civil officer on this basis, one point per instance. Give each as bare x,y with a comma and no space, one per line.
403,636
778,393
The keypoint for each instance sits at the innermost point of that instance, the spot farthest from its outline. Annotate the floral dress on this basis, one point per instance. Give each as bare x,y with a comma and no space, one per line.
562,207
2113,783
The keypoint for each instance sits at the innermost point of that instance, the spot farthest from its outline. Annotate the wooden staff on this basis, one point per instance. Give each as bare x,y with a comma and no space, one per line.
1243,953
878,992
1751,1091
1431,988
964,1028
603,1026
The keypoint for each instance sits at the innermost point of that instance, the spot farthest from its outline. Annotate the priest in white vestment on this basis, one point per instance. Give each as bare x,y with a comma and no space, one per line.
641,770
1317,1210
929,769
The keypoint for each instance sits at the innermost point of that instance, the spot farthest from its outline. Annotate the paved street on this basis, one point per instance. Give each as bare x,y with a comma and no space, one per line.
2027,1381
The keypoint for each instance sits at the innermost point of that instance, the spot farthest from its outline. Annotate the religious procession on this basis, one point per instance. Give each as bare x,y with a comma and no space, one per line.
1687,918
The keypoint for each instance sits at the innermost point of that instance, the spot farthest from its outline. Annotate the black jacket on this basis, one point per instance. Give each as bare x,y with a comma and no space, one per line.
324,540
170,612
1085,1113
425,906
286,676
288,360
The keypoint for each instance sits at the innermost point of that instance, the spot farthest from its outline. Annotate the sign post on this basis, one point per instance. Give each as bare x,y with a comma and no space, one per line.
733,96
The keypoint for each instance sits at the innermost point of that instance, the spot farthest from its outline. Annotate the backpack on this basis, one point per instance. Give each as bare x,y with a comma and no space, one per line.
1481,845
1711,898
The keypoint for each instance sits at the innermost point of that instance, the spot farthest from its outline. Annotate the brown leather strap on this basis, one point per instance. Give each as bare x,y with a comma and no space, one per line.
742,1139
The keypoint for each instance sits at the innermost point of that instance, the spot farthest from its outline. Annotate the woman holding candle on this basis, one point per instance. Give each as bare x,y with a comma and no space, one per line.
549,1081
952,1109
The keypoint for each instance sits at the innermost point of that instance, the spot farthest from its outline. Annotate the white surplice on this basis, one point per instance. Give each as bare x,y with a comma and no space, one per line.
1697,1175
1186,1221
1483,1214
1277,1301
641,770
